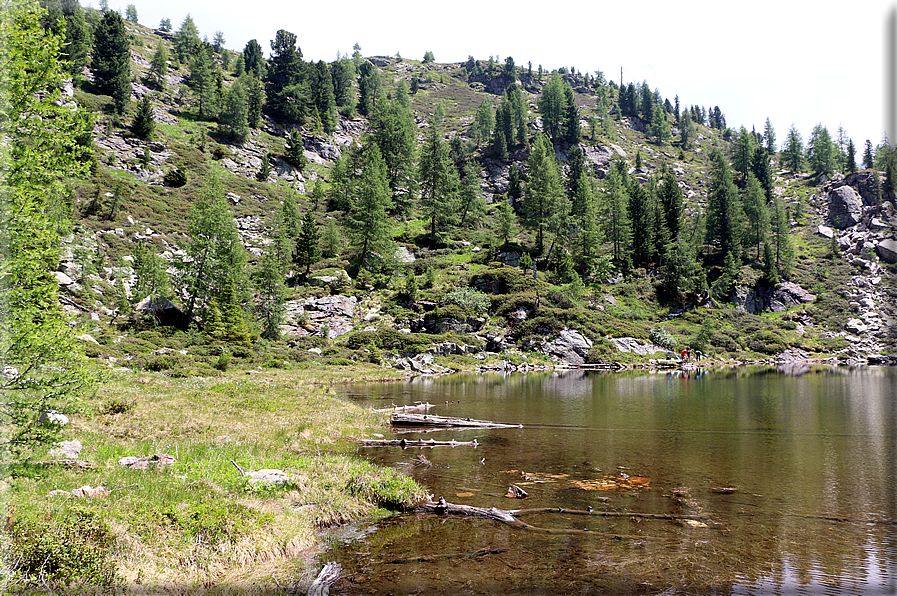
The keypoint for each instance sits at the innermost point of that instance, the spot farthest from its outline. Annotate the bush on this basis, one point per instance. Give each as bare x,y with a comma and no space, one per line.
361,339
661,337
175,177
62,549
469,299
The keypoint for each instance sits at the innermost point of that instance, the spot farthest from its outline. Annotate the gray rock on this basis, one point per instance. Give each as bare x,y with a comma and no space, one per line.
570,347
856,326
403,255
826,232
340,279
62,279
845,207
268,477
66,449
53,417
163,311
887,250
635,346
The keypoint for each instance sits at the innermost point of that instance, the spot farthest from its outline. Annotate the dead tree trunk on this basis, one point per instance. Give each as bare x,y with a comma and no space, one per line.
326,578
428,420
403,443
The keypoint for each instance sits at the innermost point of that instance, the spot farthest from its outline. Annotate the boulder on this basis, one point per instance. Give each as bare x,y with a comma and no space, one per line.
845,207
143,463
570,347
53,417
856,326
163,312
635,346
864,183
826,232
334,281
403,255
66,449
268,478
887,250
788,294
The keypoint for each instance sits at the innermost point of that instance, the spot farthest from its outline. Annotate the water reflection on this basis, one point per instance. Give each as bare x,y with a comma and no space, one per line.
813,459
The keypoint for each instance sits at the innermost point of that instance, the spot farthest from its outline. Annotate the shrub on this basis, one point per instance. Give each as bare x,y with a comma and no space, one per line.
661,337
175,177
360,339
63,548
468,299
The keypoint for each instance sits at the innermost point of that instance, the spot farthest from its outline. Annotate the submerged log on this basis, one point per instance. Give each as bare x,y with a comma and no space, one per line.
403,443
471,554
418,407
428,420
442,507
326,578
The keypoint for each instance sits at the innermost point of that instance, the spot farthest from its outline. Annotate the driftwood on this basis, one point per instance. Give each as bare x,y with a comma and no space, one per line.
403,443
471,554
428,420
442,507
417,407
515,492
326,578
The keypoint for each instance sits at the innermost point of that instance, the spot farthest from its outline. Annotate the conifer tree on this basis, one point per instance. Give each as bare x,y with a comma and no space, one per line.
308,244
686,130
158,70
821,153
724,210
342,72
322,95
868,160
641,216
669,195
769,137
438,180
794,150
271,294
368,87
131,13
761,169
484,122
43,363
255,97
572,133
234,119
202,81
744,151
333,240
286,87
507,220
544,192
618,228
214,251
112,59
472,204
295,149
143,124
660,128
186,40
587,225
264,170
551,106
781,237
233,320
393,130
152,279
755,209
851,157
368,222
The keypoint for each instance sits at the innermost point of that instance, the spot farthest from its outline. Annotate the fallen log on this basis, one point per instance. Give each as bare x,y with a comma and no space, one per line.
471,554
442,507
326,578
403,443
428,420
418,407
519,512
69,463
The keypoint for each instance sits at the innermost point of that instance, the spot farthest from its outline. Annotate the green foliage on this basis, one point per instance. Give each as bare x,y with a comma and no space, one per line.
438,179
295,147
468,299
62,548
659,336
234,118
429,57
308,243
143,125
368,222
43,363
111,59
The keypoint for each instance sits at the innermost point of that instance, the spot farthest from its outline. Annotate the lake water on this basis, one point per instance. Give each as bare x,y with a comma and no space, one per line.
773,481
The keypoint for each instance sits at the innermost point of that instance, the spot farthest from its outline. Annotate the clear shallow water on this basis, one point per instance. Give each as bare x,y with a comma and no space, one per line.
812,459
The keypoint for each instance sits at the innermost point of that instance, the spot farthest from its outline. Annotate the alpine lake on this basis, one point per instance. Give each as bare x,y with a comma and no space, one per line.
728,481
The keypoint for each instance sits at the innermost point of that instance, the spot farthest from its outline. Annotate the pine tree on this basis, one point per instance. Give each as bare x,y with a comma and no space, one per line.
744,151
152,278
295,149
368,87
131,13
641,215
333,240
587,225
660,128
780,229
616,214
868,159
686,129
572,133
255,97
308,244
851,157
233,319
323,97
286,87
112,60
143,124
264,170
821,153
762,171
484,122
342,73
393,130
669,195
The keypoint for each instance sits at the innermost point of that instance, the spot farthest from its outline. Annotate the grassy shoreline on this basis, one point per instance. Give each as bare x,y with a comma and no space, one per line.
197,526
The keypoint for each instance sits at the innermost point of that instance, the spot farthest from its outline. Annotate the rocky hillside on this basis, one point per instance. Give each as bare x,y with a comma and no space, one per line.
468,304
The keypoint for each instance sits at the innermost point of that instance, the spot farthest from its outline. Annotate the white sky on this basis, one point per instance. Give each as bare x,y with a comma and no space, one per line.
795,62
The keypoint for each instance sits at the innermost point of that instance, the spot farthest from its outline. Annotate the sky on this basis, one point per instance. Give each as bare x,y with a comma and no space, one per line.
794,62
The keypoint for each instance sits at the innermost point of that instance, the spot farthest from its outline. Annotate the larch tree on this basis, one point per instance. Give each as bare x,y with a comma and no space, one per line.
793,152
44,368
308,244
393,130
437,179
617,225
484,122
551,106
769,137
368,220
544,192
756,211
724,210
286,87
234,118
158,70
821,152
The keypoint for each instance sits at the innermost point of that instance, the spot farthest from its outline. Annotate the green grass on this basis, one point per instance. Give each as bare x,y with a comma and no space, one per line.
197,524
